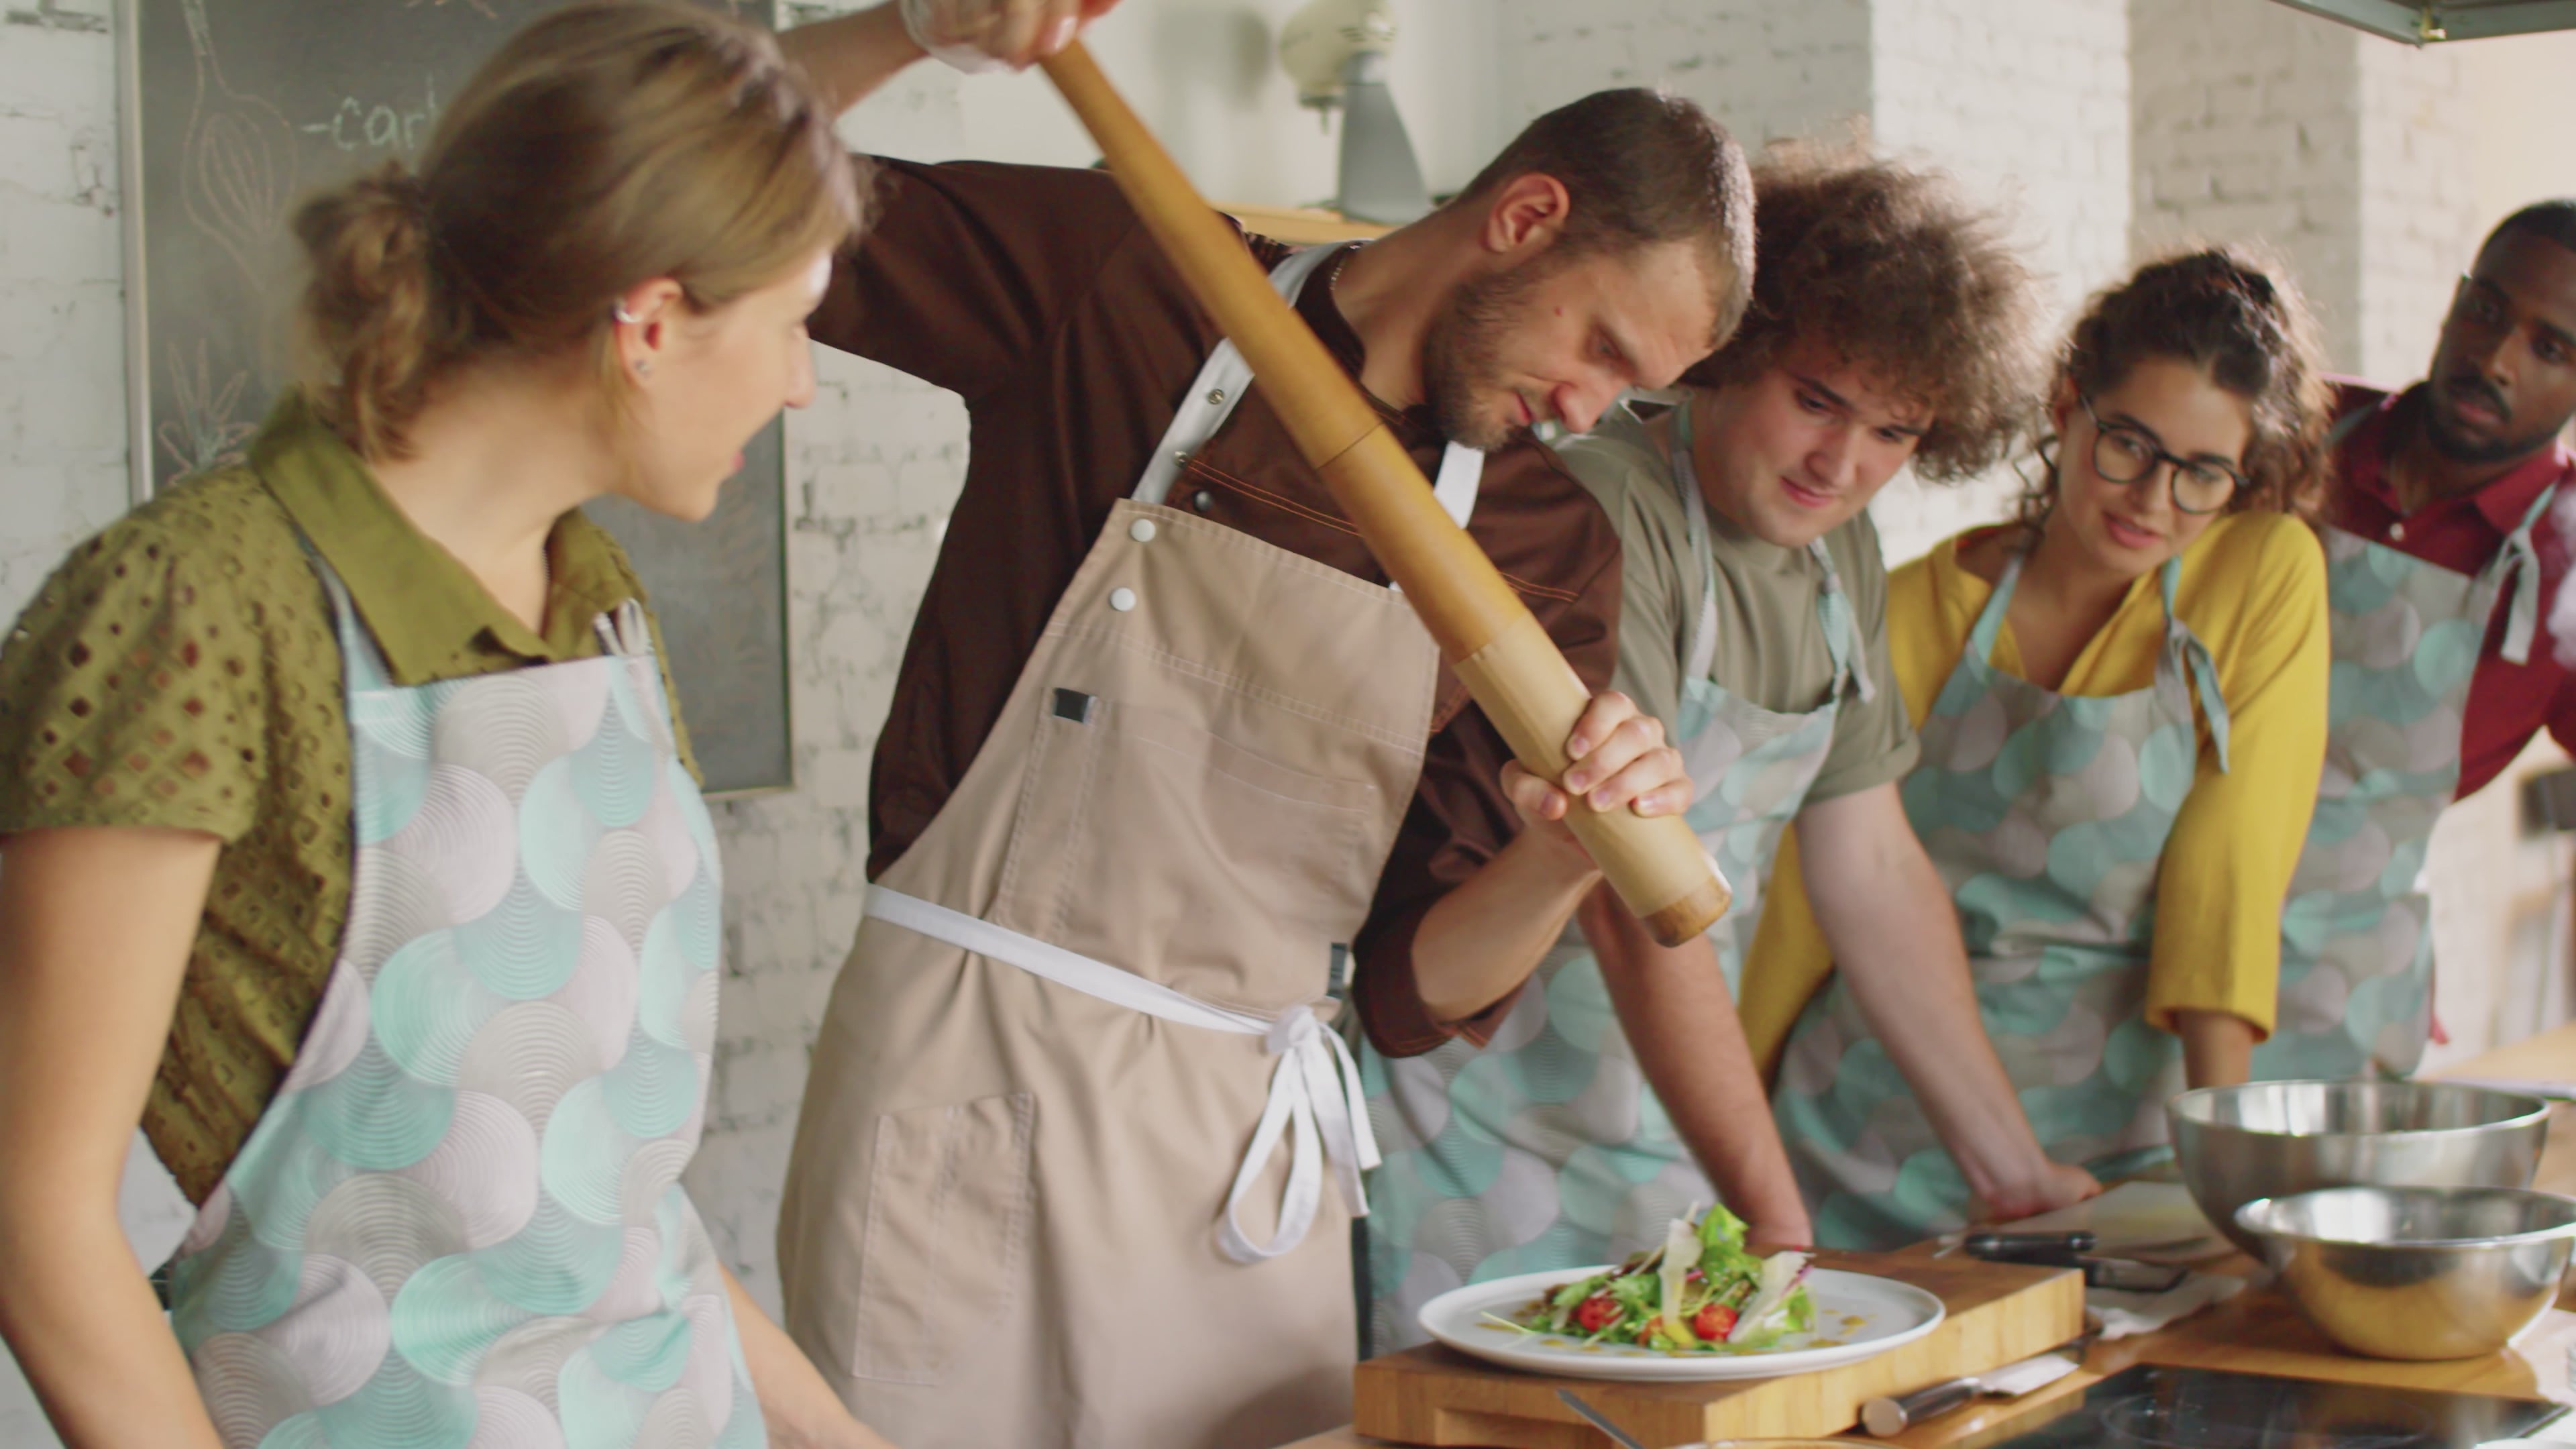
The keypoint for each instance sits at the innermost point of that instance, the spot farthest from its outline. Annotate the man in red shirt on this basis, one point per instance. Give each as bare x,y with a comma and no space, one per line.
2445,554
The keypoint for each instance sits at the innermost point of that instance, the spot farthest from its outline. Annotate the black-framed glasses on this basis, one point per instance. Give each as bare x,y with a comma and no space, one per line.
2124,454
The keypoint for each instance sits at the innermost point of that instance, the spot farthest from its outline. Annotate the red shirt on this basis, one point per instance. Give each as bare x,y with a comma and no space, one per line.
2508,703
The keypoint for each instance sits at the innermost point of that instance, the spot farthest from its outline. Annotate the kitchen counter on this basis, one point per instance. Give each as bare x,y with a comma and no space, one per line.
2259,1332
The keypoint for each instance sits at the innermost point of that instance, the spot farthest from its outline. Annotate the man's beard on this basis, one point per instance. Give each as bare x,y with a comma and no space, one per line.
1462,351
2472,453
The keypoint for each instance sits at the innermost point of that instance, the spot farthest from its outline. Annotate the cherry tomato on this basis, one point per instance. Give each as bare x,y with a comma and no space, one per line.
1714,1322
1596,1313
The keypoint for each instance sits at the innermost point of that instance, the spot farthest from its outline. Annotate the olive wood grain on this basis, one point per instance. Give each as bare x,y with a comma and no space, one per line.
1497,647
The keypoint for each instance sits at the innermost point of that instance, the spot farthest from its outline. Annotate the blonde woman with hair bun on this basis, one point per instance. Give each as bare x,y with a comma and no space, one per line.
349,836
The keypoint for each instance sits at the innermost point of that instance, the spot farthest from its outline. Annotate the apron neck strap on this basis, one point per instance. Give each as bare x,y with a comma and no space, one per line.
1224,378
2522,561
1842,628
2191,661
1702,655
1990,620
361,662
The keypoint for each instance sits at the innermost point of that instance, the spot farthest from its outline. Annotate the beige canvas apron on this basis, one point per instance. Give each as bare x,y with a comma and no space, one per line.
1035,1198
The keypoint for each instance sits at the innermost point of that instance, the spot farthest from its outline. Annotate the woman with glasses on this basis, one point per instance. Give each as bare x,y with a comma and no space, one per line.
2121,700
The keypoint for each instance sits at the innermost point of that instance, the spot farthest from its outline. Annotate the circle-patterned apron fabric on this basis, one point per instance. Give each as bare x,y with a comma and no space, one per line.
2356,934
459,1223
1546,1149
2046,814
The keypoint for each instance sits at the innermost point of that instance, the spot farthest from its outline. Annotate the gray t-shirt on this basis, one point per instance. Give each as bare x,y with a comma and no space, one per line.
1771,646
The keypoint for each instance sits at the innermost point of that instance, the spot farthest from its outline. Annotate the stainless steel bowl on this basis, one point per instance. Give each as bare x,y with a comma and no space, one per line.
2273,1139
2417,1272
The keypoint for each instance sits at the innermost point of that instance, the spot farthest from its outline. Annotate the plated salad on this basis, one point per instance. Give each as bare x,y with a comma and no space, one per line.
1701,1292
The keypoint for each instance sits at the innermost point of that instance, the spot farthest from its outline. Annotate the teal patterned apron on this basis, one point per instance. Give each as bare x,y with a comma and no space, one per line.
459,1223
2356,935
1546,1149
2046,814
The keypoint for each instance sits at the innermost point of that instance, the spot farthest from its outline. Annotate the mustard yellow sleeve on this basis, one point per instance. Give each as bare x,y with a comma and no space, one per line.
2256,595
1789,961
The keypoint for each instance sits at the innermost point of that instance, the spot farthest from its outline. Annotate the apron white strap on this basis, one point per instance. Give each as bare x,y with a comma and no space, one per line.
1462,470
1315,1088
2190,659
1842,628
1703,640
1220,385
2522,615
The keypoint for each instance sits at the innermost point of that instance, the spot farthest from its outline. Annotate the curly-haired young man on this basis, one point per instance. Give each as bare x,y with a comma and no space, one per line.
1889,324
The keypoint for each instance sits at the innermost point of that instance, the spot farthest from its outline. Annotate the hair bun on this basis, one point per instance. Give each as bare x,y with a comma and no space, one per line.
372,303
605,143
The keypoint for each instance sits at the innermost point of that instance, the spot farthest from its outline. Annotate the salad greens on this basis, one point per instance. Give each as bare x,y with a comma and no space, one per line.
1701,1292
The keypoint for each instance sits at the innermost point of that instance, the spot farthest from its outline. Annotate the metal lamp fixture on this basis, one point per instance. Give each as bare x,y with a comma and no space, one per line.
1336,51
2420,22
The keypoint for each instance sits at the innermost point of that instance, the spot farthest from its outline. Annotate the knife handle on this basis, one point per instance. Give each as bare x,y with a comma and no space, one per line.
1887,1418
2050,1249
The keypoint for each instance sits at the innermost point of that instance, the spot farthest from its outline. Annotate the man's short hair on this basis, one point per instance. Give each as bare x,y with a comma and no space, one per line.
2551,220
1642,168
1889,266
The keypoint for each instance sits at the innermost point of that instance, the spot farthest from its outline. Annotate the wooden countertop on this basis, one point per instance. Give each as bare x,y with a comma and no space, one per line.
2259,1332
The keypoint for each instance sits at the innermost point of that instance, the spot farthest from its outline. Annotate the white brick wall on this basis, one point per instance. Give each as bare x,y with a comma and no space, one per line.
2246,124
2419,210
2026,102
1764,70
62,353
2351,155
62,388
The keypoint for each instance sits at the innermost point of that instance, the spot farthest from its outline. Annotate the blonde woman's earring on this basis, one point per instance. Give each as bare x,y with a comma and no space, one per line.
621,314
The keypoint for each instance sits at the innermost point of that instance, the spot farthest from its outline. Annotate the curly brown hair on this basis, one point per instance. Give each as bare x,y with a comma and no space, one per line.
2235,315
1891,267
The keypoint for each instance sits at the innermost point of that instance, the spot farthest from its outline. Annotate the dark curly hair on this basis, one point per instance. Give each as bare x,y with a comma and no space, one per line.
2238,318
1891,267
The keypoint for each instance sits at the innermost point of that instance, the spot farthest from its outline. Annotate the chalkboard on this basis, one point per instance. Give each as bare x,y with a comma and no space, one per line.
235,110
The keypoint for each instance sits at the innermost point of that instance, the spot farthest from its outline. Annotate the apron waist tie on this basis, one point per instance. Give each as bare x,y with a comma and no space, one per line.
1315,1088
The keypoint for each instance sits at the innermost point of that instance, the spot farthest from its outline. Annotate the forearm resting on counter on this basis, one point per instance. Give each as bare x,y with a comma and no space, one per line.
2217,1047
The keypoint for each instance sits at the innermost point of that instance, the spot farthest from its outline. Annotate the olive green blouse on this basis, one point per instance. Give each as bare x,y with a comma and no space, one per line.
180,670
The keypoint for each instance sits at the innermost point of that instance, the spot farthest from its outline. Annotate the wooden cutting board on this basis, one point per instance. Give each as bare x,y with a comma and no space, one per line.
1998,1314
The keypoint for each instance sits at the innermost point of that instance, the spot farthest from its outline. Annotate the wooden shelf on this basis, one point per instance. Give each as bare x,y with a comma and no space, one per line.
1305,225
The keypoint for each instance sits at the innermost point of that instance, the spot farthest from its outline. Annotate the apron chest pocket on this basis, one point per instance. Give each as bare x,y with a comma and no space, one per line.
1147,841
947,1225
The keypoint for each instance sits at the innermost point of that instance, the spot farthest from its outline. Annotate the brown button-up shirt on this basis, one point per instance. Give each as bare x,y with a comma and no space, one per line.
1037,295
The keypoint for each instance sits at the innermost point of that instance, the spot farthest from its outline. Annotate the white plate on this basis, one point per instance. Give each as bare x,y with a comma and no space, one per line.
1857,1317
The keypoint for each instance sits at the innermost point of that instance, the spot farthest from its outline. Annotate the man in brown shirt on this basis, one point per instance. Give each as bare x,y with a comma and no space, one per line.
1607,248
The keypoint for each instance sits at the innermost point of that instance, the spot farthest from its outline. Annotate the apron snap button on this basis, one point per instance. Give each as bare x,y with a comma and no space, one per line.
1216,395
1202,500
1142,530
1122,599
